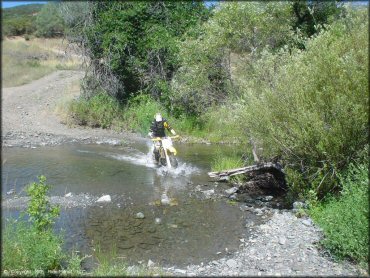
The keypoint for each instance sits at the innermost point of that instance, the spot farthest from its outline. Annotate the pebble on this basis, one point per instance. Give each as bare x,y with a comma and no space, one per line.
68,194
231,190
140,215
282,240
150,263
307,222
158,221
231,263
104,198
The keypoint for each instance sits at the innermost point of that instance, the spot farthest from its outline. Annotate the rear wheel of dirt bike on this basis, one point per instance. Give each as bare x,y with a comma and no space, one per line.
173,161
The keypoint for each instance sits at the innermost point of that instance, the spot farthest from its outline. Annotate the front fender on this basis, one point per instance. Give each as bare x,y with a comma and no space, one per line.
172,150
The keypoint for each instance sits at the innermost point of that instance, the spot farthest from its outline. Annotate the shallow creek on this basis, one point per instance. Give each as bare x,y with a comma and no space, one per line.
188,230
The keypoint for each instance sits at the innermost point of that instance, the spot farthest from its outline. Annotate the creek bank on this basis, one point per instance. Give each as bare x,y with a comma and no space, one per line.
284,246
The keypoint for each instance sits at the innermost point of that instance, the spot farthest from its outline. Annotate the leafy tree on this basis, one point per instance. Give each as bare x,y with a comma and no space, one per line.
49,22
243,28
311,16
135,44
20,20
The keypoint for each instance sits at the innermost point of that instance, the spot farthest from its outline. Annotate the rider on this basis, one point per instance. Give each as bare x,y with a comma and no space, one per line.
157,128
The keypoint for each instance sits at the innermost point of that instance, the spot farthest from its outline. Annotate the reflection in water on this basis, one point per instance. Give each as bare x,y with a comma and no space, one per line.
185,231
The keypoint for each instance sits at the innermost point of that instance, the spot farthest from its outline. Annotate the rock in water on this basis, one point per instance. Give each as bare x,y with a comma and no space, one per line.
150,263
158,221
232,190
104,198
165,200
140,215
208,193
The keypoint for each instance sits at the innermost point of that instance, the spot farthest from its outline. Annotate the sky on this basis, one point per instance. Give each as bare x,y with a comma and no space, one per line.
9,4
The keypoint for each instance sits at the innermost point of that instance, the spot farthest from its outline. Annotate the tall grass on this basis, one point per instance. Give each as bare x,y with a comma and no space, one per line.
24,248
24,61
345,220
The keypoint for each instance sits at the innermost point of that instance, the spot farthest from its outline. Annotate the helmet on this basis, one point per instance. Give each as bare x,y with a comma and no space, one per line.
158,117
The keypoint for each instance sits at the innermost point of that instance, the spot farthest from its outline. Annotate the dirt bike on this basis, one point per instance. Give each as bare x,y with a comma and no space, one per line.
166,152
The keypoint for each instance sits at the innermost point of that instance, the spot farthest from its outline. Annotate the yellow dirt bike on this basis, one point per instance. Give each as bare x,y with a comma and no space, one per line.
166,153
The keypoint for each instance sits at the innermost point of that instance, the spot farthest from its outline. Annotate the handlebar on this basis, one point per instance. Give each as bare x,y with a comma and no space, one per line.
160,139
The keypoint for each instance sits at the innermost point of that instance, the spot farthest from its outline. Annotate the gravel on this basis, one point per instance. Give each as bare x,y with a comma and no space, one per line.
283,246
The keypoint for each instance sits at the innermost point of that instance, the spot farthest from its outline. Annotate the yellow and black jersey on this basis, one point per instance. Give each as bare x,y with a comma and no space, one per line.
158,128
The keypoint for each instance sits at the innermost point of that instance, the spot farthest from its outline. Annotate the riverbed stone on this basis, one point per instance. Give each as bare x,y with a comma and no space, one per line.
307,222
231,190
209,193
104,198
231,263
68,194
140,215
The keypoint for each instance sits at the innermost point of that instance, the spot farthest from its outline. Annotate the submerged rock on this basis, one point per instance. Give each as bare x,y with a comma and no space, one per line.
140,215
209,193
104,198
165,200
231,190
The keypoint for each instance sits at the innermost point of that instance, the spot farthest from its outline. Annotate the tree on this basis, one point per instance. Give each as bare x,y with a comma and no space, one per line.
134,44
49,23
310,16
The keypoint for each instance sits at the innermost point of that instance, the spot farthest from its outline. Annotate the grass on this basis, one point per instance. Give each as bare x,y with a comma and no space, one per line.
25,249
24,61
345,220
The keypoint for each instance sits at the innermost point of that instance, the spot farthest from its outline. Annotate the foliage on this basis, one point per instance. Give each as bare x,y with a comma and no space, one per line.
41,213
139,113
311,16
205,76
49,22
134,43
26,248
99,111
17,21
345,220
311,108
223,161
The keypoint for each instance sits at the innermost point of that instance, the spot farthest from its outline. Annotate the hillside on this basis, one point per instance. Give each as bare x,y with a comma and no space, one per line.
21,11
20,20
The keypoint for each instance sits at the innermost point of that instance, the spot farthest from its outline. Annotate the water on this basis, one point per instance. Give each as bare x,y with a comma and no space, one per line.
189,230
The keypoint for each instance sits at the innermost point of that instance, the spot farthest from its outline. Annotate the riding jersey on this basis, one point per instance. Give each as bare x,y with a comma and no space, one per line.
157,128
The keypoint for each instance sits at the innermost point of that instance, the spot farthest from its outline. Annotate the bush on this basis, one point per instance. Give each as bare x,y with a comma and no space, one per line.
33,247
345,220
26,248
311,107
140,112
99,111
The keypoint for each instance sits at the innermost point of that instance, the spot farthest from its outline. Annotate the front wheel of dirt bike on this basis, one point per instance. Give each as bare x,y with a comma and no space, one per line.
173,161
163,161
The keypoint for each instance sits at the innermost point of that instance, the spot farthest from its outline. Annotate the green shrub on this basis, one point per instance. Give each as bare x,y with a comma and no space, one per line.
311,107
139,113
345,220
99,111
26,248
41,213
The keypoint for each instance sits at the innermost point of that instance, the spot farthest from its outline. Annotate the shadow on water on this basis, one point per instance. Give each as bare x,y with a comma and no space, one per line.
187,230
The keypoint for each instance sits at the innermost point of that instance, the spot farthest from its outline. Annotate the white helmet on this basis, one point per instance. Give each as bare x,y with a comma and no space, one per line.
158,117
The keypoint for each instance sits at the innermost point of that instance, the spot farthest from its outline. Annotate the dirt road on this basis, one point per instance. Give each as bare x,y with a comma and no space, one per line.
28,117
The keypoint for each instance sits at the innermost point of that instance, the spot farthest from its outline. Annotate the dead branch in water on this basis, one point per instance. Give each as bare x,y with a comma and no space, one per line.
226,174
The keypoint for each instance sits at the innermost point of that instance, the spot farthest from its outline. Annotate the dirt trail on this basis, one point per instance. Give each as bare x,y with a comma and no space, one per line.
28,117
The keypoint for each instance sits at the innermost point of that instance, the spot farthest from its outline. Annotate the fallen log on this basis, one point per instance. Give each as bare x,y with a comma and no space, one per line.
225,175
